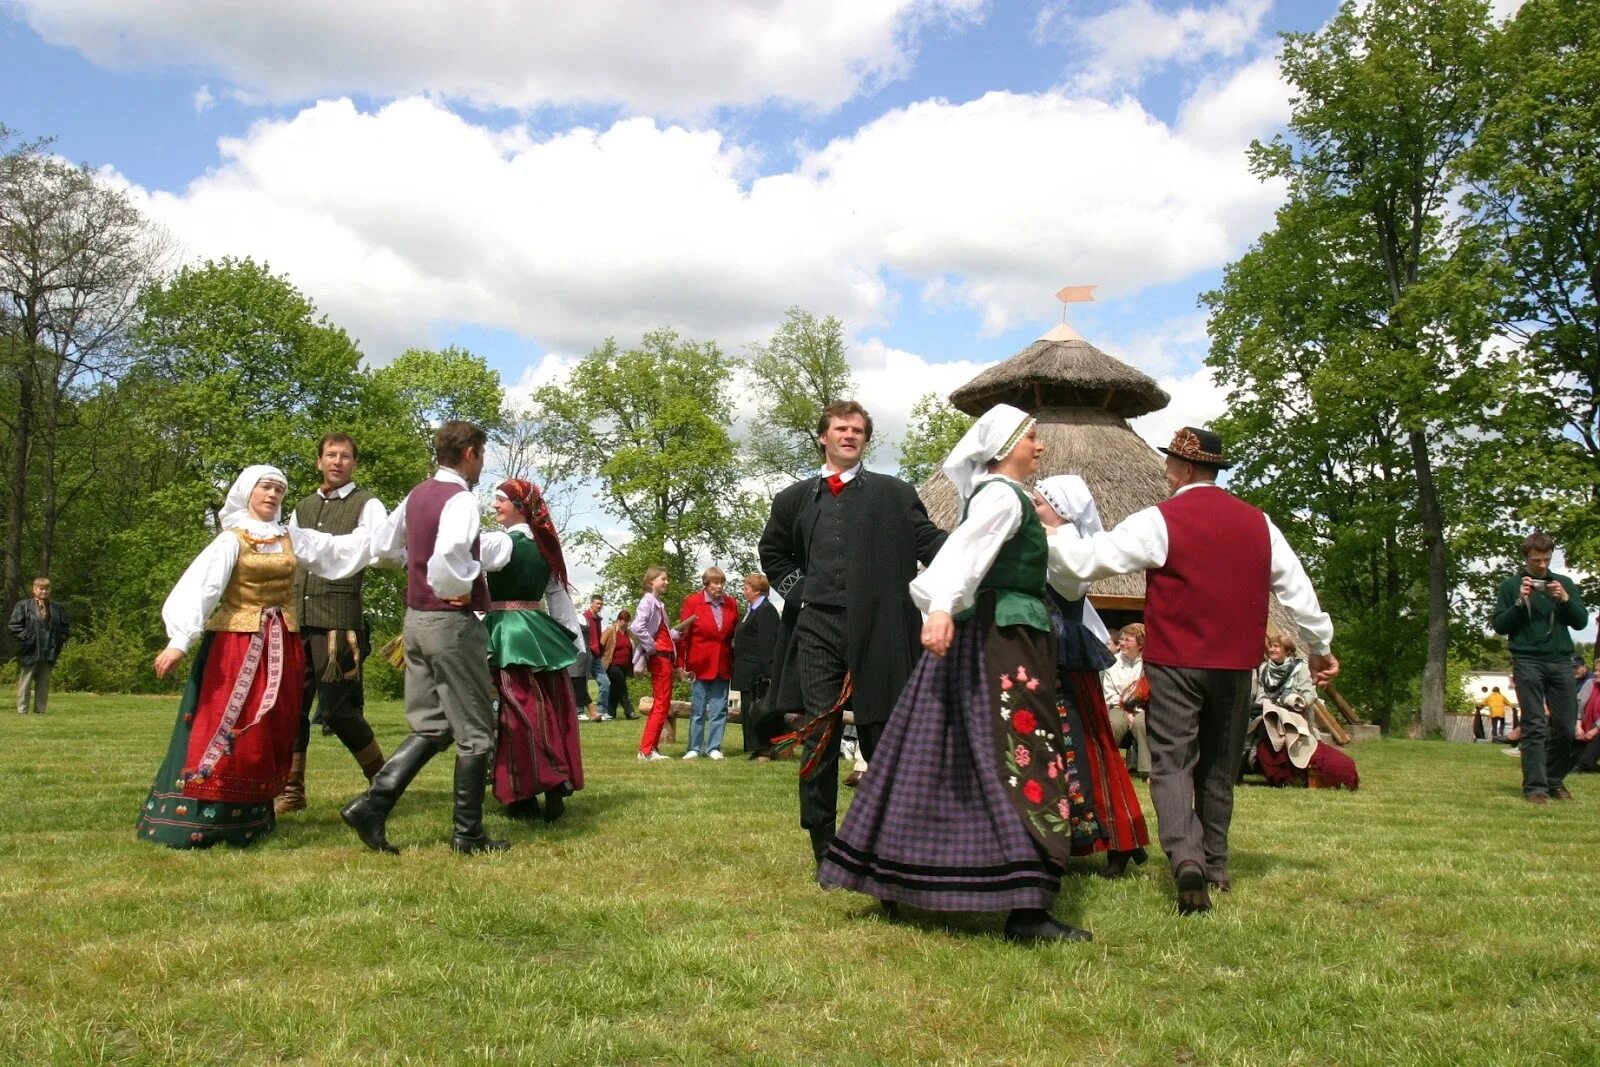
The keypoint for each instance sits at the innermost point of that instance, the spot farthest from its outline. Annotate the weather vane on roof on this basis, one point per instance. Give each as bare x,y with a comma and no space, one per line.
1074,294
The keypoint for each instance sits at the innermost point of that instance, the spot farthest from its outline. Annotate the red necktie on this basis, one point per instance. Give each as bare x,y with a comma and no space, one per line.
835,484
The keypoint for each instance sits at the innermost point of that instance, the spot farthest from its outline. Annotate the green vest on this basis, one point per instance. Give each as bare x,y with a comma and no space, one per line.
525,577
330,605
1018,572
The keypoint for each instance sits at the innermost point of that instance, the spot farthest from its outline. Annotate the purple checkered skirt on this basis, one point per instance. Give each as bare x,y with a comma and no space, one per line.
932,825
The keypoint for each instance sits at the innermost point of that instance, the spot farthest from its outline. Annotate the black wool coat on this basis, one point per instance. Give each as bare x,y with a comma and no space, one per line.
755,640
889,533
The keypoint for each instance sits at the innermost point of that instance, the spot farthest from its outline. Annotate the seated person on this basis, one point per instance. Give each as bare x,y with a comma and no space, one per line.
1283,676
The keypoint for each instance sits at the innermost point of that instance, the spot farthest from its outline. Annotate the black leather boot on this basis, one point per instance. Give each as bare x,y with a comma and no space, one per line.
467,835
1034,925
367,813
821,838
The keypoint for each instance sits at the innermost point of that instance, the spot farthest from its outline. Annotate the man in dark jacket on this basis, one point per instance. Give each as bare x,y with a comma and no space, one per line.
40,629
754,643
841,549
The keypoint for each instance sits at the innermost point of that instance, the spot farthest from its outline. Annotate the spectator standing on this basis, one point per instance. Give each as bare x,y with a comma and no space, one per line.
599,665
1496,702
40,628
617,649
708,659
653,654
1537,609
754,643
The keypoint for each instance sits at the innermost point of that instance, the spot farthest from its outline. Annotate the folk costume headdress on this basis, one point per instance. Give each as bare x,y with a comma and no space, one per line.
1069,496
530,502
236,509
991,438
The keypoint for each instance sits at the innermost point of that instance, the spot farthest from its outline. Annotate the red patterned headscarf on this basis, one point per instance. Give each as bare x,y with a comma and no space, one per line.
528,500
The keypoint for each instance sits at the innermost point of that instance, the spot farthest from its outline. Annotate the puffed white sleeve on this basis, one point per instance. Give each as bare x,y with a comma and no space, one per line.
1138,543
494,550
950,583
389,538
329,555
198,591
558,602
1293,588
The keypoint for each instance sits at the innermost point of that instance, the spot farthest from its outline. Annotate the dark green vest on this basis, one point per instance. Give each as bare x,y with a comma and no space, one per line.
527,575
330,605
1018,572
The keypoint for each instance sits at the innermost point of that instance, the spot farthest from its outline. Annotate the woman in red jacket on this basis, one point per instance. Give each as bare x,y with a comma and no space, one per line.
708,657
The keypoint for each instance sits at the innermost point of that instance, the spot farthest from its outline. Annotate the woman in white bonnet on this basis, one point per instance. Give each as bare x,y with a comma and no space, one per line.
234,739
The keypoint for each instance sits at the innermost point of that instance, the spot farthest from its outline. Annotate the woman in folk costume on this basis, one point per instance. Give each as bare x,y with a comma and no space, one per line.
533,638
234,739
1080,657
972,804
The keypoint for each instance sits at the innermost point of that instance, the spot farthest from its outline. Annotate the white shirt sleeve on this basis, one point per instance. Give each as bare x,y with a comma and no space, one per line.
199,591
451,568
494,550
1292,586
558,602
330,556
950,582
1139,543
389,538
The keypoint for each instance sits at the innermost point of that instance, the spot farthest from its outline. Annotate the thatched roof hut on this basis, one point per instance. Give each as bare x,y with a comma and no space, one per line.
1083,400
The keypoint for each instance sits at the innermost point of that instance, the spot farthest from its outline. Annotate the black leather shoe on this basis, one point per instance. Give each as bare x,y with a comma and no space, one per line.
1193,896
368,813
1117,862
1033,925
554,805
467,836
523,809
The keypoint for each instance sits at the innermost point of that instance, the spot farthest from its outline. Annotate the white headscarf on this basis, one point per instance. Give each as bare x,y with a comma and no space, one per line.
990,438
236,509
1071,499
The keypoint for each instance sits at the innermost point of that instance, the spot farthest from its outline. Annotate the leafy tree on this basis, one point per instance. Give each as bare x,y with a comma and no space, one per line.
650,426
74,253
1535,175
435,385
796,374
933,430
1389,94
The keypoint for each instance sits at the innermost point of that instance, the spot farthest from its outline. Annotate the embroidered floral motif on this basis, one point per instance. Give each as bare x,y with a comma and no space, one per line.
1024,757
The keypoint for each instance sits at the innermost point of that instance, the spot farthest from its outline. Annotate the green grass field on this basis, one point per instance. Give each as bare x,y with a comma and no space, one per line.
671,917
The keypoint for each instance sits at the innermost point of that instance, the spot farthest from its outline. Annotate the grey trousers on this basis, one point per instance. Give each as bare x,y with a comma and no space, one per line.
448,689
1195,724
37,677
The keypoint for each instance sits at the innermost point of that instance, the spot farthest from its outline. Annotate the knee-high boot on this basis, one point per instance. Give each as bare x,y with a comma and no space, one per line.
367,813
467,835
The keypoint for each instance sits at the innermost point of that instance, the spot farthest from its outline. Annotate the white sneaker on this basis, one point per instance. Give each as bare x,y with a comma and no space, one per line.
691,754
607,718
715,753
651,757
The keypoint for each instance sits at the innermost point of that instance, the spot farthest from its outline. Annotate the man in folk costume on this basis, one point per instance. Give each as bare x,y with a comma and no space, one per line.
448,694
1210,561
841,549
332,625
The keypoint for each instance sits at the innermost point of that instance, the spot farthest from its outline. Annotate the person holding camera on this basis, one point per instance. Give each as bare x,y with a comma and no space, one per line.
1537,609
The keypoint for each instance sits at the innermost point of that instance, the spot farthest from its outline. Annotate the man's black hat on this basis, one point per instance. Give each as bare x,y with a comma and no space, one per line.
1198,445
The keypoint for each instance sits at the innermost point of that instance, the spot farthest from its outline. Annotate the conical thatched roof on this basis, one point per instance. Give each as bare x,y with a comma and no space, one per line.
1062,370
1123,473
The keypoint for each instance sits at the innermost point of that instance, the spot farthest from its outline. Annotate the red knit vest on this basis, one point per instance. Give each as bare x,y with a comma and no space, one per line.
423,507
1206,607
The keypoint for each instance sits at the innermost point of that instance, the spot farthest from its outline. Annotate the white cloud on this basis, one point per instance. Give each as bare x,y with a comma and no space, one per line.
663,58
203,100
408,218
1229,111
1118,48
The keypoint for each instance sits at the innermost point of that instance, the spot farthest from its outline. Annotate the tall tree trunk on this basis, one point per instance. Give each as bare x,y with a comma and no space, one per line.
1438,594
17,498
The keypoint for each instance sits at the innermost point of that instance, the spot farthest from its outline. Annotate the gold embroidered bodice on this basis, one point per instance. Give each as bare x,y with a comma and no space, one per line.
259,580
